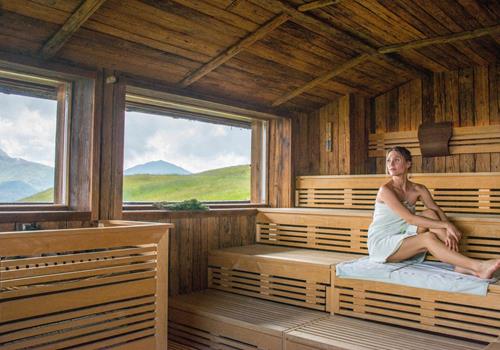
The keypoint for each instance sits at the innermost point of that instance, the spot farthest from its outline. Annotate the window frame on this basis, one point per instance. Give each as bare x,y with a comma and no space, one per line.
74,117
216,111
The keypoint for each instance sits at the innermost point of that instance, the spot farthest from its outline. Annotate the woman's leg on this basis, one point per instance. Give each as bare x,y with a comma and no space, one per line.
440,232
428,241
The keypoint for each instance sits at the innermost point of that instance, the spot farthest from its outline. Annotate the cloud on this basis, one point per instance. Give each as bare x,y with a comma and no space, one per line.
28,128
193,145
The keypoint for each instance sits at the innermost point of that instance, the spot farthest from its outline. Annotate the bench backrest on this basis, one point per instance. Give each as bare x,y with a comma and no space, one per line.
475,193
347,230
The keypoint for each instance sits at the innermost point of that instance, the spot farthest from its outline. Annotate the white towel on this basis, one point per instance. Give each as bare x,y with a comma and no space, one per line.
429,275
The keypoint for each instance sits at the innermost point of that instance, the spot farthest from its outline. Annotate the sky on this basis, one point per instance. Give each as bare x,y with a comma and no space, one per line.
28,126
193,145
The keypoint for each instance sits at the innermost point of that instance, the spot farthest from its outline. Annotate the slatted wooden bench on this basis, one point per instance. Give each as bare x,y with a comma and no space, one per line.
293,276
218,320
343,333
346,231
474,193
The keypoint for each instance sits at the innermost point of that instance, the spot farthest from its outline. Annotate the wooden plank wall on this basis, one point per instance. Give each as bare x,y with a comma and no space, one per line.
467,97
193,236
281,173
349,118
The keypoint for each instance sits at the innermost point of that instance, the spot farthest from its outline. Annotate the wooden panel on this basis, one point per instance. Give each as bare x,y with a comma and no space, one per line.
288,275
462,315
468,97
280,188
193,236
464,141
65,288
346,230
458,192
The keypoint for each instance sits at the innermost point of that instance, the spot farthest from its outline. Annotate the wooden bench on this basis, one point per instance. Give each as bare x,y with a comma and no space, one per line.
293,276
474,193
344,333
218,320
347,230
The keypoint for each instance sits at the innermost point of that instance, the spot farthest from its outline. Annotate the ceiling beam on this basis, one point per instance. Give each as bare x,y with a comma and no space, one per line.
235,49
336,71
443,39
72,24
314,25
313,5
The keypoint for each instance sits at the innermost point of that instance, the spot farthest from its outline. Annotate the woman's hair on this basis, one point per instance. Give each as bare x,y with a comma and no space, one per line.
401,150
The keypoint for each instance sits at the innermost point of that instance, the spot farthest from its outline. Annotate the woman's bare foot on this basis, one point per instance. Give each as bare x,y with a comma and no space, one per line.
488,268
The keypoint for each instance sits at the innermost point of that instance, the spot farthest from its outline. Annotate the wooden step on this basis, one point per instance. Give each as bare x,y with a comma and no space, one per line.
215,319
294,276
344,333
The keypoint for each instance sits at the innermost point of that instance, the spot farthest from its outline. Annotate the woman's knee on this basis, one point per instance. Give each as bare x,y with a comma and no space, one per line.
429,238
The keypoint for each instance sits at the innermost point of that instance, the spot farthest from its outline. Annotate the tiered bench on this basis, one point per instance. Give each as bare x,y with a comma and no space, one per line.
218,320
298,249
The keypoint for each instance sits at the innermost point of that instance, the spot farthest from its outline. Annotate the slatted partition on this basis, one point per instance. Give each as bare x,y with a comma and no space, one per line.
463,315
476,193
92,288
333,230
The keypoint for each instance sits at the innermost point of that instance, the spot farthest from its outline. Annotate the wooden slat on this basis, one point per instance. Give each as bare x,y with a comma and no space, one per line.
314,5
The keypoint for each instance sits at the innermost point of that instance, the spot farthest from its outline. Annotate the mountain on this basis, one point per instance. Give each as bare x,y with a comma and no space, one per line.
158,167
10,191
20,178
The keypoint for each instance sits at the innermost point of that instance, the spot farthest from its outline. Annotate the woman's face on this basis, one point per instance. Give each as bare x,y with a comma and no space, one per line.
396,164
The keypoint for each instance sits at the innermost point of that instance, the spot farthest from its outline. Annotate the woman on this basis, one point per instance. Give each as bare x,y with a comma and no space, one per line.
398,234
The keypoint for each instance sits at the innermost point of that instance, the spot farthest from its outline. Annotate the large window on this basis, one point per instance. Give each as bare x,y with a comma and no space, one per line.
33,138
174,154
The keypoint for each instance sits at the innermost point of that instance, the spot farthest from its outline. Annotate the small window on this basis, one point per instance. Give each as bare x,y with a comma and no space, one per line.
33,139
173,155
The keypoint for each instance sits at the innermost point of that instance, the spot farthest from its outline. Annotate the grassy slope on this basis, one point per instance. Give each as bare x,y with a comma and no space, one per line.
231,183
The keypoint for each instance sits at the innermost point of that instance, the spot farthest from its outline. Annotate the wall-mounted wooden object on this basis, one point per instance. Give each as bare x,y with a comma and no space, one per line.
328,136
464,140
434,137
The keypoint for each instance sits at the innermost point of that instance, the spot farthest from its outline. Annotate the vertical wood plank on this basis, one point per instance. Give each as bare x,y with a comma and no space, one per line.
467,118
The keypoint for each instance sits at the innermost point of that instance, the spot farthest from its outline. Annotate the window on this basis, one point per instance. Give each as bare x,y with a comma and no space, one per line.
33,138
175,152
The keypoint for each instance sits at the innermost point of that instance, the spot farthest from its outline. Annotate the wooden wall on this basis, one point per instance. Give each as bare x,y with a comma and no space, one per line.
349,118
467,97
193,236
281,171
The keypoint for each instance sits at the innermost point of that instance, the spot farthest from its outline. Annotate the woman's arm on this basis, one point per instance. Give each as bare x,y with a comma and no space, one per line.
388,196
426,198
428,201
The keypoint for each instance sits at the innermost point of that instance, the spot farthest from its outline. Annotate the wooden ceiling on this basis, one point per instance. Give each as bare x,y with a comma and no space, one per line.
270,55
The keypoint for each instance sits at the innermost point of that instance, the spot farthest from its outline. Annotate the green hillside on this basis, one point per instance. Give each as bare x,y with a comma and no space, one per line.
231,183
46,196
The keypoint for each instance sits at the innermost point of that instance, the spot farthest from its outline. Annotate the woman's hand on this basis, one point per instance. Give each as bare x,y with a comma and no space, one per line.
453,236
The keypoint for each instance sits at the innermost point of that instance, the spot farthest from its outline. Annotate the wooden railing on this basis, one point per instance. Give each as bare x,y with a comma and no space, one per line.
89,288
